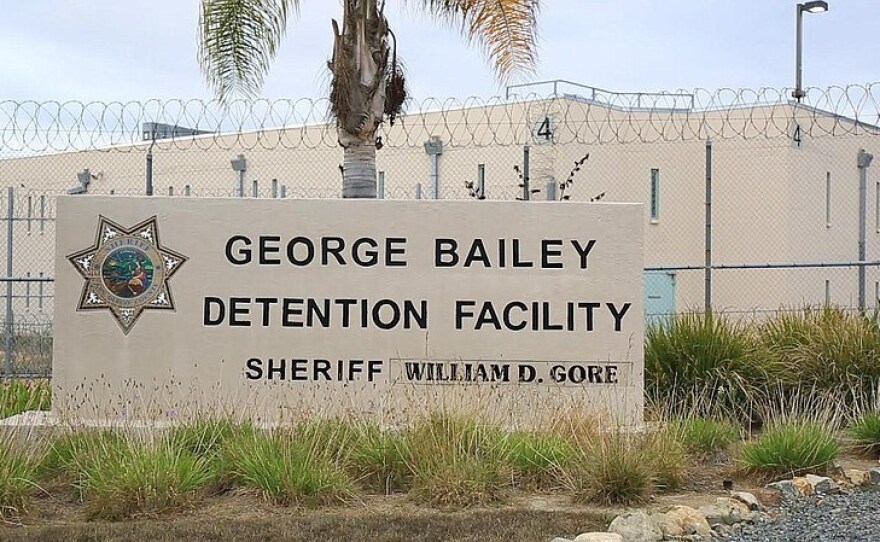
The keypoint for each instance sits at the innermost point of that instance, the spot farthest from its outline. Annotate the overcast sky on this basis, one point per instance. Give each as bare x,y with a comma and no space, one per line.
140,49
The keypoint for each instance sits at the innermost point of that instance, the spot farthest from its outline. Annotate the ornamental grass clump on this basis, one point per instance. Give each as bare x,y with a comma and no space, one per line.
831,351
17,396
702,361
615,468
208,439
18,479
705,436
538,459
142,477
379,460
791,447
667,457
70,454
865,430
291,468
456,462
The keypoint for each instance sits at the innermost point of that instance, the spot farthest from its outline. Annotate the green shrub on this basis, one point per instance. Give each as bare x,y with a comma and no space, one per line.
537,458
456,462
142,478
791,447
290,470
18,477
701,361
379,460
832,352
866,432
705,436
17,396
614,469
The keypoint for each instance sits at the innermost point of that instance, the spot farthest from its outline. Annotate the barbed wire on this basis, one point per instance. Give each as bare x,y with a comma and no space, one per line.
589,116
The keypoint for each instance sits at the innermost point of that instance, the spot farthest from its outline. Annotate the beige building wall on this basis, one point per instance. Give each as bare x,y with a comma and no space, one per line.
768,192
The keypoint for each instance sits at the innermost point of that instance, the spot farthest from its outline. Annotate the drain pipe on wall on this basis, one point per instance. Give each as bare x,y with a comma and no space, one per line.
434,148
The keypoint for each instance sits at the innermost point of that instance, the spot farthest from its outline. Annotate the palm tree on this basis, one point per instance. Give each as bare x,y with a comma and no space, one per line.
239,38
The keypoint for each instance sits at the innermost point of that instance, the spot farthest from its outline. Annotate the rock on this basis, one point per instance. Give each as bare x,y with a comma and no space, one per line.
874,477
726,511
722,529
803,486
856,477
688,521
768,497
558,539
636,527
748,499
668,526
599,537
713,515
821,484
785,487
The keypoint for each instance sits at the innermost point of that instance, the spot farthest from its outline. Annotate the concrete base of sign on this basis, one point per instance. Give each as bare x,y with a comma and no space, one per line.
34,424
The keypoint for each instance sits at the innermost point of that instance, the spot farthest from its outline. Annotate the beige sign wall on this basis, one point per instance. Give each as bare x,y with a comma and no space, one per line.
277,309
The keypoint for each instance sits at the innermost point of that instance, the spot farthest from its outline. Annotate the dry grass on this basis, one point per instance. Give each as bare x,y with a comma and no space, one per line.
244,518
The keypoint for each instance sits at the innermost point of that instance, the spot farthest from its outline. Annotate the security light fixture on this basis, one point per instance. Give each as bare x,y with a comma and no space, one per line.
819,6
816,6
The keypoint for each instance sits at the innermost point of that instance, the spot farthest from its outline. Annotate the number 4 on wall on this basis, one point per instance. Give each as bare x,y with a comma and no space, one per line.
796,137
544,130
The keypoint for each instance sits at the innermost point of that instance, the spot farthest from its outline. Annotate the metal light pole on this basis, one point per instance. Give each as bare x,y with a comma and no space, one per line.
817,6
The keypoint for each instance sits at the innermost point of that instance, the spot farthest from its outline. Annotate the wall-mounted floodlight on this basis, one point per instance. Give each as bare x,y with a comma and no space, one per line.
84,177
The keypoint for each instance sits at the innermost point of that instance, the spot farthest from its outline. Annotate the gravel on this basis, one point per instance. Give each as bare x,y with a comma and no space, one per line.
847,517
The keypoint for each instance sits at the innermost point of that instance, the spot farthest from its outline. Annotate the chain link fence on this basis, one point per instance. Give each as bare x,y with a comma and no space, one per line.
753,203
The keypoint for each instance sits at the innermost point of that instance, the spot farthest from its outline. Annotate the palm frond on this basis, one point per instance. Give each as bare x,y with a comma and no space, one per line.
238,40
505,29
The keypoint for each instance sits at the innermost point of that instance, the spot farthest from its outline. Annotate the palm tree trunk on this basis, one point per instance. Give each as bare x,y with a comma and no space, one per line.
357,97
358,167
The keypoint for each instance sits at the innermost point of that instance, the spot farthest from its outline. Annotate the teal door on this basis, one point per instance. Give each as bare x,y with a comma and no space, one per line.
659,296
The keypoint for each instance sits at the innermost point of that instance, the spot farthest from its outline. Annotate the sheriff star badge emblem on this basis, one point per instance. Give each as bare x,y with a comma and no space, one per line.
126,271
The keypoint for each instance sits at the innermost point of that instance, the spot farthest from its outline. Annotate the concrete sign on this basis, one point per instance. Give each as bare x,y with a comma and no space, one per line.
274,309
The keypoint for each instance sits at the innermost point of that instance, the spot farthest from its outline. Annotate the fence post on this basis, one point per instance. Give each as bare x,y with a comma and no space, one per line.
551,189
150,170
380,186
708,239
527,193
863,161
418,190
8,328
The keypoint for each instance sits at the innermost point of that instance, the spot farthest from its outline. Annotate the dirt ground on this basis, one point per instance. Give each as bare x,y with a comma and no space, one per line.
383,519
